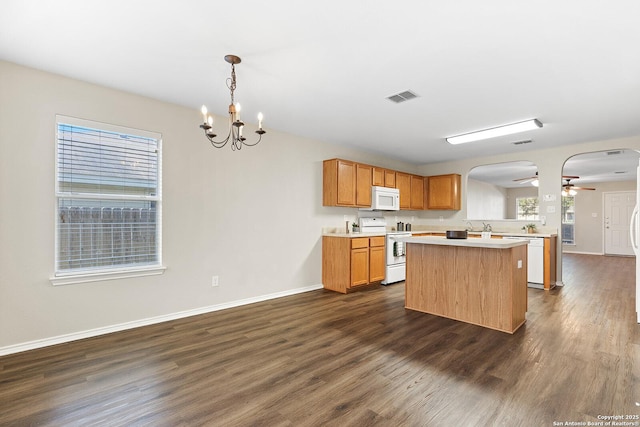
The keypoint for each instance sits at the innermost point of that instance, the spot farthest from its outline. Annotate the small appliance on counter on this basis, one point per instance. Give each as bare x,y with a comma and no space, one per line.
456,234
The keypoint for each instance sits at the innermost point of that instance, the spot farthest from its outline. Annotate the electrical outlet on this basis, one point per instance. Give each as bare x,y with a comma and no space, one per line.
214,281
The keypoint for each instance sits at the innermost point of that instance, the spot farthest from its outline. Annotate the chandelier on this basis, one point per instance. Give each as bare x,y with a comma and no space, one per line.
234,134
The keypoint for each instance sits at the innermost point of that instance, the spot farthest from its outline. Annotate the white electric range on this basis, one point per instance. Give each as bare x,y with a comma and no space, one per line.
395,269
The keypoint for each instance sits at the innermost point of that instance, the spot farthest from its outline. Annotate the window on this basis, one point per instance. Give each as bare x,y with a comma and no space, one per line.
108,191
568,219
527,208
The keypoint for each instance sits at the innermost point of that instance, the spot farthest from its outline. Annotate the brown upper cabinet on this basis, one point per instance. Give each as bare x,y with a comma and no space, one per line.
403,183
384,177
347,183
443,192
378,176
389,178
417,192
339,183
363,185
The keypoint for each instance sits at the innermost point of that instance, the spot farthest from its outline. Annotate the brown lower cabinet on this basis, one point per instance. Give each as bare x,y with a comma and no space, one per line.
349,262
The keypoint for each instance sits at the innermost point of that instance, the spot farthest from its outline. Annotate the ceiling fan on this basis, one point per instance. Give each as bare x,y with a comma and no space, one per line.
534,179
570,189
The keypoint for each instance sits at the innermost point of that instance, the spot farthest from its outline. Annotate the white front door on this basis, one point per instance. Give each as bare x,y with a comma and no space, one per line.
618,208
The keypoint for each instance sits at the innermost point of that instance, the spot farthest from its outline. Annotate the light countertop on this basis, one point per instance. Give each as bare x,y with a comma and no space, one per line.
471,233
354,235
471,243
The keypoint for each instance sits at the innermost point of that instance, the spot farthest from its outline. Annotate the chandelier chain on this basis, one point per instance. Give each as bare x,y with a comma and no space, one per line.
231,83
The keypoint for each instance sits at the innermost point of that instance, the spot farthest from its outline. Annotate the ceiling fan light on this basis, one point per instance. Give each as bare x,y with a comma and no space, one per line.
495,132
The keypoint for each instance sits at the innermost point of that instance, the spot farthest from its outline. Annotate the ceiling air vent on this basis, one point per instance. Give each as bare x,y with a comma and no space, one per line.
614,152
402,96
526,141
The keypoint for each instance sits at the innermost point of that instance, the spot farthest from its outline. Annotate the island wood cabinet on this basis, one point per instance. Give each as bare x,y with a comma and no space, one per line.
443,192
351,262
474,281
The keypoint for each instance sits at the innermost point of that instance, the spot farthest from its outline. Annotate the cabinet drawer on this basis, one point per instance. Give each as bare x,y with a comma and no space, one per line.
376,241
359,242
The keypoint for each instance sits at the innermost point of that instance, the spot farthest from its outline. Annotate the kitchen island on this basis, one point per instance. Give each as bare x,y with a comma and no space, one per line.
478,281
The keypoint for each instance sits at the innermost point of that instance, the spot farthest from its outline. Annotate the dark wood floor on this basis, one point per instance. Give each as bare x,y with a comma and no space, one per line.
322,358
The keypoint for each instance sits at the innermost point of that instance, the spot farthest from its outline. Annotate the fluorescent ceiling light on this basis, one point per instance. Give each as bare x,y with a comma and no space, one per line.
494,132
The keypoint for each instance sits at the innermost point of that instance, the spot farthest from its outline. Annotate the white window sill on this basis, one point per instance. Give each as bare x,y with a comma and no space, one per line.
72,279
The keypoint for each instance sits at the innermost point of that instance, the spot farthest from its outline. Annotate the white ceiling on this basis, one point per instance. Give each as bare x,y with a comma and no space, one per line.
323,70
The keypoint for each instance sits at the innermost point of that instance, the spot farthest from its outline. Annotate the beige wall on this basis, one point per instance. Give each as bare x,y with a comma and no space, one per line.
254,217
486,201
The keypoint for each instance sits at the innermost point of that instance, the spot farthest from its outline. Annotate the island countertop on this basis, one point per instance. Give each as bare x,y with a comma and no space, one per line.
470,243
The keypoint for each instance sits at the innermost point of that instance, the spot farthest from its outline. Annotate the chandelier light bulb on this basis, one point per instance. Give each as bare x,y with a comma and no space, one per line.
210,120
204,112
260,117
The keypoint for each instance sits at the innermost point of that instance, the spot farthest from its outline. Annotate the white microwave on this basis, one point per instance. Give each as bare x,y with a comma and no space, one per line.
385,199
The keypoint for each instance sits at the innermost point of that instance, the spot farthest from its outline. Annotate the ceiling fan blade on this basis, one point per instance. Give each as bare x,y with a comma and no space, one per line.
570,177
583,188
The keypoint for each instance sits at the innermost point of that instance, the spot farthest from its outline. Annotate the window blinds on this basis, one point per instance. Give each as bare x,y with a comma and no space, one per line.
109,197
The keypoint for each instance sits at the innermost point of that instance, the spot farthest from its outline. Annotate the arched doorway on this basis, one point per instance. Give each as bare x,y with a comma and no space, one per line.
592,183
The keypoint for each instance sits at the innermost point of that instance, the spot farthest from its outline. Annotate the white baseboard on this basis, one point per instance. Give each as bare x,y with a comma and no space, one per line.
582,253
45,342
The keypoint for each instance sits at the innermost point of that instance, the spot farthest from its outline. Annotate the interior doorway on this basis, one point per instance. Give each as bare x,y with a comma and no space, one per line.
597,187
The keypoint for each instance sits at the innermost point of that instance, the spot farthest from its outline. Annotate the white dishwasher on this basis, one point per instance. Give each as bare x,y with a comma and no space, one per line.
535,260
